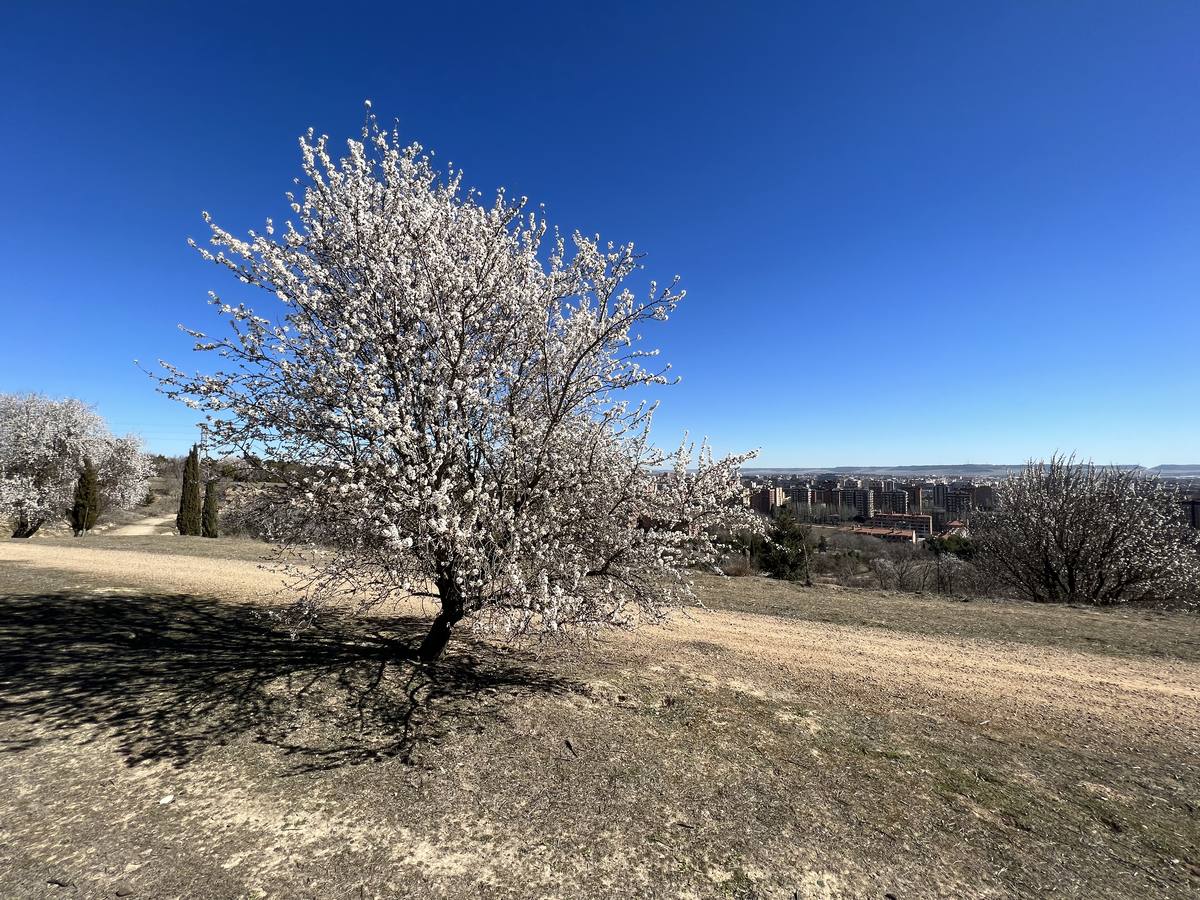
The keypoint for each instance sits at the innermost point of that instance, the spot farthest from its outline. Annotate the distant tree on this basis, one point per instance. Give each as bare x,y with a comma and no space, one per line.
210,508
910,567
188,519
86,507
233,469
169,468
951,557
746,550
1074,532
444,397
851,514
902,567
43,446
786,554
884,572
954,545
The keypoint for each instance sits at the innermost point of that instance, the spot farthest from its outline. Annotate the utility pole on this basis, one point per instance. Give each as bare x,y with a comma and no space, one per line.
203,444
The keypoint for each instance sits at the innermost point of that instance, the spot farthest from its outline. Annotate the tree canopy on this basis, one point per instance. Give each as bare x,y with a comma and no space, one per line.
43,446
1075,532
452,380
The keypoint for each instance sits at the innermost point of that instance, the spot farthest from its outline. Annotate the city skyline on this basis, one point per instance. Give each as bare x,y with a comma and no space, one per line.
951,470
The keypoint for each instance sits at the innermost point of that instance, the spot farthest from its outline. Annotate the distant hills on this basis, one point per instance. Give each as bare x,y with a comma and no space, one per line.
1176,471
978,470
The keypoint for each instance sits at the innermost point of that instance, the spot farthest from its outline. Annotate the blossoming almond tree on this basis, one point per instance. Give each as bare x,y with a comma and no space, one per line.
43,446
444,390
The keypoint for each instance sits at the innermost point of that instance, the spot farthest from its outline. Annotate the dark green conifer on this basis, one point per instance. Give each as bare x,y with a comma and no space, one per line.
86,507
210,509
787,552
188,520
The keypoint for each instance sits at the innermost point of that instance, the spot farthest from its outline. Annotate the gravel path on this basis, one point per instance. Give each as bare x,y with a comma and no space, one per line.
163,525
177,573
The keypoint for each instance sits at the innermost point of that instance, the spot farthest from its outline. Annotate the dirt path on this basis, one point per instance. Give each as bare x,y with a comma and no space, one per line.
728,753
177,573
777,658
151,525
788,659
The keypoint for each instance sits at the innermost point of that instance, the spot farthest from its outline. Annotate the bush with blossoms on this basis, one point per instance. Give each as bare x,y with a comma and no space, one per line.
44,444
1073,532
445,385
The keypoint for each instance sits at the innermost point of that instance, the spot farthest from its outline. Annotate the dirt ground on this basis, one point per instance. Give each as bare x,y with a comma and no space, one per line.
162,526
161,737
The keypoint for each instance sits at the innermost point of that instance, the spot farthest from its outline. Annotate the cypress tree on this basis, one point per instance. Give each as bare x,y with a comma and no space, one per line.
86,507
210,509
188,520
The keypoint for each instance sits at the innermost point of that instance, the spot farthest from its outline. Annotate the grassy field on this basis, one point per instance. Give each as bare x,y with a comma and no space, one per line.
162,737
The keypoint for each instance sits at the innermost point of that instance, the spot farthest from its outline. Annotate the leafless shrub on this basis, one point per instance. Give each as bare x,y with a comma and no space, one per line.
884,571
738,566
911,568
901,568
1077,533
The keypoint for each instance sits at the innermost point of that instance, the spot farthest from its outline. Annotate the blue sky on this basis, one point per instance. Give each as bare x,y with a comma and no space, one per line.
910,233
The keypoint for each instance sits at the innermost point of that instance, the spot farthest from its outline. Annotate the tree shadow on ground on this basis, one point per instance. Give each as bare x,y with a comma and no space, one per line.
171,676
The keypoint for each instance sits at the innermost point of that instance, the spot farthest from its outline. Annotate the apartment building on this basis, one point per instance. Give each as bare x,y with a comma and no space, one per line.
891,501
922,525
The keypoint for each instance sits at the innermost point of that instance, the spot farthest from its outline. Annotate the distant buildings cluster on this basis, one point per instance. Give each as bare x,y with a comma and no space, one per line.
888,505
887,508
893,509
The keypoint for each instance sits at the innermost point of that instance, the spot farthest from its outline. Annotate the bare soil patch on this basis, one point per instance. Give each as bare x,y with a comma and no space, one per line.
243,549
160,525
847,745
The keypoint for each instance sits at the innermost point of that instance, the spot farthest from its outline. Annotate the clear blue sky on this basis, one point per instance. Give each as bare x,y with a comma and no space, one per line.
910,232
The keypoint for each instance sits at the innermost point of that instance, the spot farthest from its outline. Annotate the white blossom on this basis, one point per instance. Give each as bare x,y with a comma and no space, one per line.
447,380
43,445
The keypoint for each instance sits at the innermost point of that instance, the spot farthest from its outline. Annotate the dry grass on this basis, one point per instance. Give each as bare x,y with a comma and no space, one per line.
846,744
244,549
1119,631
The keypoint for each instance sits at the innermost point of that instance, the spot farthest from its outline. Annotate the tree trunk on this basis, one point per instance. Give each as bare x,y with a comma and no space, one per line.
436,640
452,611
25,528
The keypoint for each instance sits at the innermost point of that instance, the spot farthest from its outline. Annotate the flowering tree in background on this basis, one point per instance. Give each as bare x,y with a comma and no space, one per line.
44,444
1074,532
444,384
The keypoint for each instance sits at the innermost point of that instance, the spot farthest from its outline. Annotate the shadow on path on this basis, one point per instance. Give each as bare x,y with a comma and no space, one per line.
170,676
